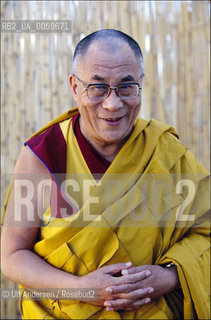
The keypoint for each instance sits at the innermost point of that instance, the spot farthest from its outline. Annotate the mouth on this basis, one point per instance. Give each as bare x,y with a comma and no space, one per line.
113,121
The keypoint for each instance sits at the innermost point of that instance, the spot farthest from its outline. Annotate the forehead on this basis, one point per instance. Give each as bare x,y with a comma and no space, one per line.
109,60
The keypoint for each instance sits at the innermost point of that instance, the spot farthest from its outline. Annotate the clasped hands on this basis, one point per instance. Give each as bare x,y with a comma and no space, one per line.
134,287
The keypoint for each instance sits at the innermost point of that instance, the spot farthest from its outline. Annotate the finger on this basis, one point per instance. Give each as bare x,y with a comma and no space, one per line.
117,267
128,287
134,270
124,288
143,274
122,304
133,294
118,304
132,278
138,294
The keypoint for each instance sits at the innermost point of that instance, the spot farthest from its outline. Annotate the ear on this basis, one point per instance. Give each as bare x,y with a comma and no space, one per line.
73,86
142,77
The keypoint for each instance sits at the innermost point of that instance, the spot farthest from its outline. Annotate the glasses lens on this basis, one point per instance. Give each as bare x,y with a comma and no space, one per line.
97,91
128,91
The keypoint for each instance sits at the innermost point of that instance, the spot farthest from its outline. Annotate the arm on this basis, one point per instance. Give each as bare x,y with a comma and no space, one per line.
22,265
19,262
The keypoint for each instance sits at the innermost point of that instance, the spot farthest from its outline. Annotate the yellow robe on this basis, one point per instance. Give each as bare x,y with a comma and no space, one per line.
134,212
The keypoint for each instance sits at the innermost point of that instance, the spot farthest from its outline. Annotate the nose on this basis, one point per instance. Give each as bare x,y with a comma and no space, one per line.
112,102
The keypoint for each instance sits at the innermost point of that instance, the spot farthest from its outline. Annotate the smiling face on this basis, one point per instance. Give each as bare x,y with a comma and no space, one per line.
109,121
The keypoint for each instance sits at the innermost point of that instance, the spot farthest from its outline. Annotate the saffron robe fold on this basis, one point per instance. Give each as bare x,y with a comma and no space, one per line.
150,207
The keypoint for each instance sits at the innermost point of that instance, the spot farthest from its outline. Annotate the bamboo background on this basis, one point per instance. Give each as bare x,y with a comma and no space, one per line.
175,41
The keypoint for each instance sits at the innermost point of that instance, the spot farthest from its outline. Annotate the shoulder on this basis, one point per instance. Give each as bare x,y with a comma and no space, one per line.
164,137
50,148
178,156
162,127
171,151
28,163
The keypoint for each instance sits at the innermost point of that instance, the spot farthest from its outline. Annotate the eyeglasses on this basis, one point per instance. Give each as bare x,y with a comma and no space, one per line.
100,91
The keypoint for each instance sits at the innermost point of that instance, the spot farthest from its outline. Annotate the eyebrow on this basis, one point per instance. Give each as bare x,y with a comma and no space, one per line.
98,78
124,79
127,79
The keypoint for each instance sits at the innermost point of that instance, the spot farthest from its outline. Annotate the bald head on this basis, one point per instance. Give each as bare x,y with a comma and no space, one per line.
109,39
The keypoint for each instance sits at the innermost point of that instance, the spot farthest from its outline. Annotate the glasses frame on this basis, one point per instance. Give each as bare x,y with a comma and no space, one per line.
110,88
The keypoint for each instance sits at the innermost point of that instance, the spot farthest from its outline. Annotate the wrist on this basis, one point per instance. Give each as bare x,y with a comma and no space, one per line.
170,266
73,281
81,282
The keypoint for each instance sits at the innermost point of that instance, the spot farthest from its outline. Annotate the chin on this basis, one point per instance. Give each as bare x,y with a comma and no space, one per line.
114,139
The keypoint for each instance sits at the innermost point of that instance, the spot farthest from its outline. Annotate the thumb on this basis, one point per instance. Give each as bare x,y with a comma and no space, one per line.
117,267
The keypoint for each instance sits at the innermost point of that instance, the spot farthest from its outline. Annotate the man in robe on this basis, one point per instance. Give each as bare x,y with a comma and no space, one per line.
126,214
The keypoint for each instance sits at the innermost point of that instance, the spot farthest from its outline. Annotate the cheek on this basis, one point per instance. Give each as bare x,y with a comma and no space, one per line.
134,110
88,114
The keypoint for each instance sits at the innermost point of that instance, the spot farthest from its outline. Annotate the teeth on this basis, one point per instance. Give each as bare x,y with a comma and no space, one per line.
113,119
